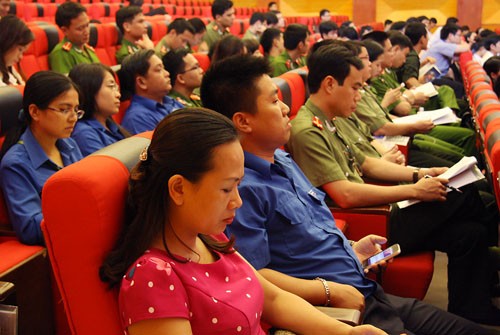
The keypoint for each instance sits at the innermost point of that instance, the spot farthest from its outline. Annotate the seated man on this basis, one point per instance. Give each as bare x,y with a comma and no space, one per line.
223,18
457,222
296,47
72,19
284,228
132,25
143,75
329,30
180,33
257,26
185,76
325,16
444,48
199,31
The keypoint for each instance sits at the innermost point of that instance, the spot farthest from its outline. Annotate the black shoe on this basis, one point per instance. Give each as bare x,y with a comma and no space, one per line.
489,317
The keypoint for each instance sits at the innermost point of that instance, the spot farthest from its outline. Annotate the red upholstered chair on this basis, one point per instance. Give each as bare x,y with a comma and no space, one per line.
492,155
297,89
98,41
112,38
36,57
203,59
83,210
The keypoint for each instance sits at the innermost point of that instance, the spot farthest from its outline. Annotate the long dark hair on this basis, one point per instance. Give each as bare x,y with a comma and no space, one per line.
89,78
13,32
183,143
41,89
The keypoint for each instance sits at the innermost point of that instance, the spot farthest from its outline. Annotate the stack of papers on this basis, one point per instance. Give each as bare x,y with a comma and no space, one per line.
438,116
462,173
390,141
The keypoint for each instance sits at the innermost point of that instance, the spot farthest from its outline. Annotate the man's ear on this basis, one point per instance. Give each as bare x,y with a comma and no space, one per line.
126,26
329,84
241,122
141,82
180,79
64,30
176,185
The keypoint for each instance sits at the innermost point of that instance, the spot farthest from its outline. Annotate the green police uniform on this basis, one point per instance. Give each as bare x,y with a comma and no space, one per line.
214,33
284,63
126,48
250,36
194,100
162,48
320,150
357,134
446,142
65,56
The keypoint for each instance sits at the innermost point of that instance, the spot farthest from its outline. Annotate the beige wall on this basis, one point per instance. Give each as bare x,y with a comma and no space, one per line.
400,10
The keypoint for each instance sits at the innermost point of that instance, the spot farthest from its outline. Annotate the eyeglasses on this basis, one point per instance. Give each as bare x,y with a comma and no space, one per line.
196,67
66,111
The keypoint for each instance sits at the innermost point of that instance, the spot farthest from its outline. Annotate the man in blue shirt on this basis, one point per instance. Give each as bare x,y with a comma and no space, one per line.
143,75
284,228
23,172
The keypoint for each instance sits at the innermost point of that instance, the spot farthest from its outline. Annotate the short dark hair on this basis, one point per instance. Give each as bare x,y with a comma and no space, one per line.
374,49
180,25
68,11
492,65
433,20
271,18
365,28
271,3
251,44
219,7
492,39
349,33
377,36
197,24
267,38
330,60
398,38
173,61
327,26
398,25
229,86
134,65
414,31
294,34
323,12
126,14
451,20
449,29
387,21
422,18
256,17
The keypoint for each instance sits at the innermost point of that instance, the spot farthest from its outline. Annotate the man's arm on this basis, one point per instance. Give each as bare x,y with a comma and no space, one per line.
408,129
313,291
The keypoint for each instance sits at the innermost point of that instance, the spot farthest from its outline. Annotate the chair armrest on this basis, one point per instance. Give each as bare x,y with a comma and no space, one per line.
346,315
6,289
363,221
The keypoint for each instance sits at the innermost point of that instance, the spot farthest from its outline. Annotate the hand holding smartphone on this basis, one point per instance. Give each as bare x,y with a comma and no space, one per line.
384,255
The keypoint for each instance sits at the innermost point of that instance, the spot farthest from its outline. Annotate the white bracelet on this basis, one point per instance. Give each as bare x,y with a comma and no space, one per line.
327,290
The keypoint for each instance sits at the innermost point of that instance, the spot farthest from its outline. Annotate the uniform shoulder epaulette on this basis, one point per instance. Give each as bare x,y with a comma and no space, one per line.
67,46
227,30
88,46
182,101
215,27
130,50
317,123
194,97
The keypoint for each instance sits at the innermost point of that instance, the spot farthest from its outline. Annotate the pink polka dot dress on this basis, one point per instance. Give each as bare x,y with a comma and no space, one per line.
221,298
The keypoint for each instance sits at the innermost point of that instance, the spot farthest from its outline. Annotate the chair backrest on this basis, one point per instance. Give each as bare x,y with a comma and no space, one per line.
11,102
98,41
83,208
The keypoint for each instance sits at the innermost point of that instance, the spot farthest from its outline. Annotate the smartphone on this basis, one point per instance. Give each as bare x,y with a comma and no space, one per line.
384,255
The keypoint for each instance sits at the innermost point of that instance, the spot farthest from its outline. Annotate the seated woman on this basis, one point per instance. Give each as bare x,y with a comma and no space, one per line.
227,46
38,148
15,39
178,273
100,100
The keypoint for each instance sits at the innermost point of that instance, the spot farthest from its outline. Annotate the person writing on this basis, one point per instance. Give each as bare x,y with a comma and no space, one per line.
176,275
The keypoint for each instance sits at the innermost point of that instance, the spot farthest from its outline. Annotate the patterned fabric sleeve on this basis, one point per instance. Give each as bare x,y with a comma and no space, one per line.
150,290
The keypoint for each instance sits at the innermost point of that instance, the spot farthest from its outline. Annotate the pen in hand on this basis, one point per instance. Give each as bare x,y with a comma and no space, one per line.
451,188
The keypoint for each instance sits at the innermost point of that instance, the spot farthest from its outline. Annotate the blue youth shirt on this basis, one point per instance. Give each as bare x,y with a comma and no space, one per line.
285,225
91,135
144,114
23,171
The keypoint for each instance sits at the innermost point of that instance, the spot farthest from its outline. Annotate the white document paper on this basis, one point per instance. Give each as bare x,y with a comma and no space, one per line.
462,173
390,141
426,89
437,116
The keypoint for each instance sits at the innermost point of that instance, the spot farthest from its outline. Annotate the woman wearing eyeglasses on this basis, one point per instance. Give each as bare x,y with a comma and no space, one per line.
38,148
100,100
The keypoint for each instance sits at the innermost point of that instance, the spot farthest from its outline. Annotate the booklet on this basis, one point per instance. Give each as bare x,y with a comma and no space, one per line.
462,173
429,72
437,116
427,89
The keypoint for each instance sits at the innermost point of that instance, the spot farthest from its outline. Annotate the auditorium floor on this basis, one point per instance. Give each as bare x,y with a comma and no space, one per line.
438,293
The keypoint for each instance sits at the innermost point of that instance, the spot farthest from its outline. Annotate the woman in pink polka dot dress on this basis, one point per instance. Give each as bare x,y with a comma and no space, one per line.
176,277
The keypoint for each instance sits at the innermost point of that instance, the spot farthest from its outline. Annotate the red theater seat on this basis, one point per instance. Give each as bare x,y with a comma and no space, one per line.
100,44
36,57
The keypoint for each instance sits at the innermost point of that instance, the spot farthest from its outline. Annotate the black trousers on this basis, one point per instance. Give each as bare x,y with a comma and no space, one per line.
398,315
462,227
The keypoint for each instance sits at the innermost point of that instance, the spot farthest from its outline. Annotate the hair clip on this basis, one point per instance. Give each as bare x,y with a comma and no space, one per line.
144,154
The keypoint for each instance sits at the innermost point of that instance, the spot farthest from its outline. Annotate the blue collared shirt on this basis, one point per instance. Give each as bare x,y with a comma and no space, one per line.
144,114
91,135
443,52
285,225
23,171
